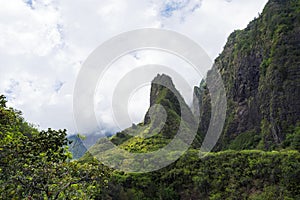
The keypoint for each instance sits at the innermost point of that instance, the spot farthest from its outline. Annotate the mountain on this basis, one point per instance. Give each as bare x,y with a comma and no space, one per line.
77,148
260,68
161,122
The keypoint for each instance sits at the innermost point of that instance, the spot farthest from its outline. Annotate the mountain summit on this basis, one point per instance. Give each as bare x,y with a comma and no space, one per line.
162,120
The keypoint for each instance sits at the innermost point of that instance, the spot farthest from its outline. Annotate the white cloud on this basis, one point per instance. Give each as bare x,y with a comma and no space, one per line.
211,24
43,44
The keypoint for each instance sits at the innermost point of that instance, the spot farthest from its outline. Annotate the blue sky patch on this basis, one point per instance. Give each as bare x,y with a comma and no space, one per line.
29,3
58,85
169,8
9,92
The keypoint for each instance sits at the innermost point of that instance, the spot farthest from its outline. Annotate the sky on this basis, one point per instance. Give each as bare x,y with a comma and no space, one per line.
43,44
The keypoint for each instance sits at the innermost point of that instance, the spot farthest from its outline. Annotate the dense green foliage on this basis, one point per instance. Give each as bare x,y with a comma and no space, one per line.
33,164
224,175
260,68
293,139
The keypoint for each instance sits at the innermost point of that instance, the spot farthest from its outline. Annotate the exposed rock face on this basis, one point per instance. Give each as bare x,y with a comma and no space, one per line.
260,67
162,89
164,93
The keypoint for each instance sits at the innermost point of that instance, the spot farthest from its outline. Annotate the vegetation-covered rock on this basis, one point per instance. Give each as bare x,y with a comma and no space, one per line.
260,67
154,133
260,70
76,146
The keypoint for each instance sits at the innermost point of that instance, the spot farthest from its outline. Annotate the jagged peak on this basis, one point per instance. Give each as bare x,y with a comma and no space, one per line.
159,84
163,79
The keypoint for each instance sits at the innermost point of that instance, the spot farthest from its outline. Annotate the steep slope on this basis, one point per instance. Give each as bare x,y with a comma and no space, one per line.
161,121
76,147
260,67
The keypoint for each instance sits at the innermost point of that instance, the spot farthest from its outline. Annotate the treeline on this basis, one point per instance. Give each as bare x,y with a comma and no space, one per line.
248,174
37,165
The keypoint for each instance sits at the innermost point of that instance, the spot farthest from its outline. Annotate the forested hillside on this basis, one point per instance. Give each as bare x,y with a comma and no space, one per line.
34,164
260,68
247,174
257,156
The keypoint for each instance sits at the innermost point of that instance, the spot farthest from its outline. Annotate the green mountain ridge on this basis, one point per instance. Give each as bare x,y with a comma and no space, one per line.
156,132
260,68
76,147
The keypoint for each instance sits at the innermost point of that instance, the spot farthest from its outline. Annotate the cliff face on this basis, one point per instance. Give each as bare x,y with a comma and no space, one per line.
164,93
260,67
162,120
